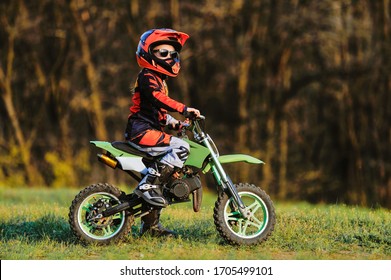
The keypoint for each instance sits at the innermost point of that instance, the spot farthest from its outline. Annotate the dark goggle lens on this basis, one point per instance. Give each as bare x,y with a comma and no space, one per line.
165,53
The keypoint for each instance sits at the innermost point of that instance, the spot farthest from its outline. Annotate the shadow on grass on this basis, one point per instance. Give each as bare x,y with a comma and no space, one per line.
57,229
200,232
48,227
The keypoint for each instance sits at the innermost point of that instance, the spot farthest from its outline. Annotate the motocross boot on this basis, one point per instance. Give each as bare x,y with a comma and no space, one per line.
150,187
150,225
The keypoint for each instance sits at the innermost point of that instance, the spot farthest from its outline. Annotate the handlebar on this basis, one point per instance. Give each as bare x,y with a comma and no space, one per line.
192,116
194,123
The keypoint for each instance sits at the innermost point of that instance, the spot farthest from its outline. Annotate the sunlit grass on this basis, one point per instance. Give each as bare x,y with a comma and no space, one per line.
34,225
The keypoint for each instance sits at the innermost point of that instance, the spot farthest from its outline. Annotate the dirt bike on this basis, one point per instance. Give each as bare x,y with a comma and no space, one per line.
243,213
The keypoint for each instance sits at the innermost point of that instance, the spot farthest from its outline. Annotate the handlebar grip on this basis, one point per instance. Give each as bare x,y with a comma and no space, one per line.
192,116
188,115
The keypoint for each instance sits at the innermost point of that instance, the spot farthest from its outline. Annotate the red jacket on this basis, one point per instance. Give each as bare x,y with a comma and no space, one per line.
151,101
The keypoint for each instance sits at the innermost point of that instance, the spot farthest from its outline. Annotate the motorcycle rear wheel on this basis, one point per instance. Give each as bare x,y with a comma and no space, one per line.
83,212
239,231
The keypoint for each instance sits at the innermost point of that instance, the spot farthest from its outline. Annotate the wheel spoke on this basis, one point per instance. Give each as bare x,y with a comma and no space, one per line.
107,230
255,222
241,225
254,207
241,228
88,227
245,228
233,216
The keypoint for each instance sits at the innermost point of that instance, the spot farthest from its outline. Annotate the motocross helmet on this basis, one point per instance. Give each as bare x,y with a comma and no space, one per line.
153,38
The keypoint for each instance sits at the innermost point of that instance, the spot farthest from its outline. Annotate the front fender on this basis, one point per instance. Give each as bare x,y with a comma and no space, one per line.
235,158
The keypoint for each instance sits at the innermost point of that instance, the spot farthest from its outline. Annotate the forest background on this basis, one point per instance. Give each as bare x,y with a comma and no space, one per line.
303,85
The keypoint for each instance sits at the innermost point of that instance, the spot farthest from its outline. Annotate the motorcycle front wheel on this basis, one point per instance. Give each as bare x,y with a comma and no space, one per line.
86,221
237,230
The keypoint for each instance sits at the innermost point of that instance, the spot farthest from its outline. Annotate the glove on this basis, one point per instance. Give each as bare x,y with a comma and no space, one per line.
191,113
180,125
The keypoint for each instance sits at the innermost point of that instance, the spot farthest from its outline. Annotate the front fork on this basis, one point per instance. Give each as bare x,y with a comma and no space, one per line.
225,182
227,185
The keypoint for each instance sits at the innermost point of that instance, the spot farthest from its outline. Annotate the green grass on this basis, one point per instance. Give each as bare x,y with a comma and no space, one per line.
34,225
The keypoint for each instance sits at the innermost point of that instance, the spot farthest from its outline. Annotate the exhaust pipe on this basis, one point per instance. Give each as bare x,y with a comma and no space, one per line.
108,160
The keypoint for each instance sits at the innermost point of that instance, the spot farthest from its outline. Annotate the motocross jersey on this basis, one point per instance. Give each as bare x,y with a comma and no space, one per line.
150,100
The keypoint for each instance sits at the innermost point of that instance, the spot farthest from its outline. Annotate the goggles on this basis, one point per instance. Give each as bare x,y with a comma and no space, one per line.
164,53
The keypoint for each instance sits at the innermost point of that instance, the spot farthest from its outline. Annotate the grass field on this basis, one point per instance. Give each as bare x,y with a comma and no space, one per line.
34,225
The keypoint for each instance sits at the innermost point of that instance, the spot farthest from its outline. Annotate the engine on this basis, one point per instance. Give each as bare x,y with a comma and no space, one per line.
181,189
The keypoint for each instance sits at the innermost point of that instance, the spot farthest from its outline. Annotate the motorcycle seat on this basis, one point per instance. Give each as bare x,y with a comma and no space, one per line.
132,148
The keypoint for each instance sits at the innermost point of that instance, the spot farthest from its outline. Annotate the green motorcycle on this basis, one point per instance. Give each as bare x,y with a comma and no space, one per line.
243,214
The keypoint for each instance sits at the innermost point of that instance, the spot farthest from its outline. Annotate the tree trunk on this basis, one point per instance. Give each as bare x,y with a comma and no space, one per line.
92,76
32,174
282,191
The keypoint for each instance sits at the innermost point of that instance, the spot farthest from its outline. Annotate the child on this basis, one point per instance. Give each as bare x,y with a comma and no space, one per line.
158,55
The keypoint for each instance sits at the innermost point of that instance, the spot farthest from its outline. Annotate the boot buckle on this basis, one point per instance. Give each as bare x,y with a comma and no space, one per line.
153,172
146,187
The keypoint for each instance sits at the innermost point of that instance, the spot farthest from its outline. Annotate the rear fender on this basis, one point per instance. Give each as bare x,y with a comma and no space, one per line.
108,147
128,161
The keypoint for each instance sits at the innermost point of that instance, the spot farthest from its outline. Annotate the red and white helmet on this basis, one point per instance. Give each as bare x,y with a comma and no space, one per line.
153,38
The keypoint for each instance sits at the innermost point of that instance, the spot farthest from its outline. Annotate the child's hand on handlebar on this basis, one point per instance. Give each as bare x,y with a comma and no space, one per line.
192,111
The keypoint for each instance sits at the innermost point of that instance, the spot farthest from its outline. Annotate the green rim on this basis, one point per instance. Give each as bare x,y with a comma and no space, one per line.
105,227
255,224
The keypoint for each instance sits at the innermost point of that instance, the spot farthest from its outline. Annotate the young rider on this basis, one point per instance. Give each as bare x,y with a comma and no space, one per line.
158,55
